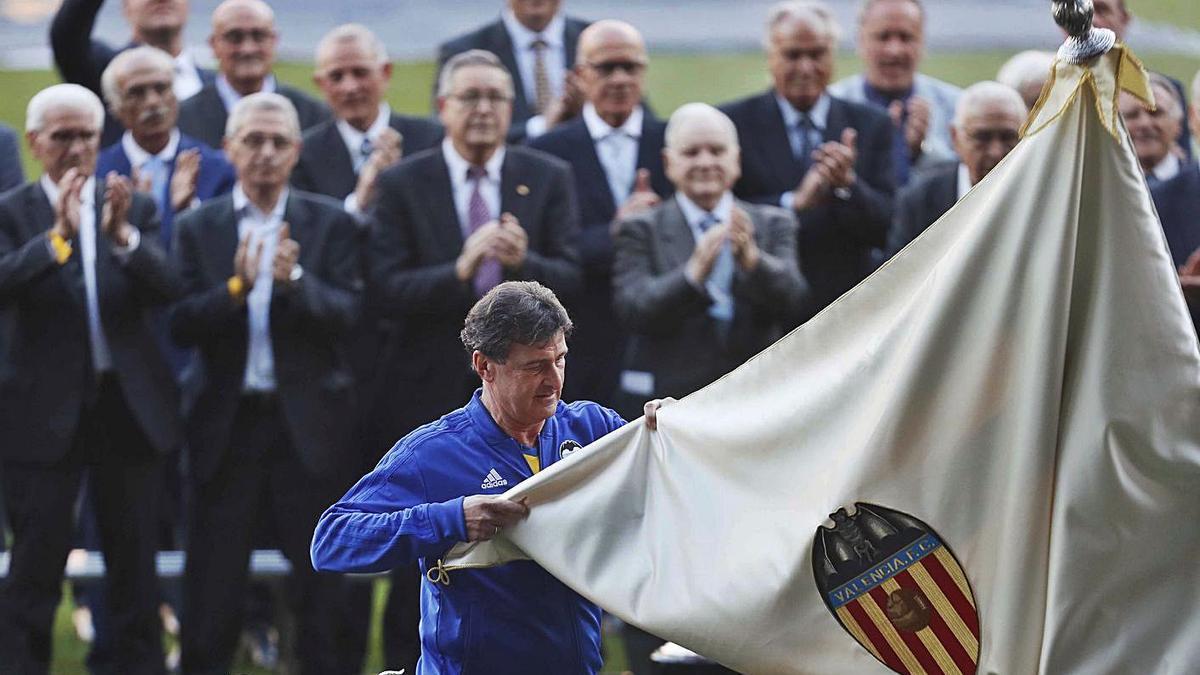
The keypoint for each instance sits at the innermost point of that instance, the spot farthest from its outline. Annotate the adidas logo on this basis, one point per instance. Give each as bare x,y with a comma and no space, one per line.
493,480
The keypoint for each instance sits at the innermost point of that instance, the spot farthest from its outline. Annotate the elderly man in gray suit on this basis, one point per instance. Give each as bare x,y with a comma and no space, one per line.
703,281
891,42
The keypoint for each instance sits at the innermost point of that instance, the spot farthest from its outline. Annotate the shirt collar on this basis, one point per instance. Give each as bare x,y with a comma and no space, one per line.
523,38
87,195
819,113
184,61
230,96
243,206
137,156
964,180
486,426
599,129
1168,168
458,166
354,138
694,214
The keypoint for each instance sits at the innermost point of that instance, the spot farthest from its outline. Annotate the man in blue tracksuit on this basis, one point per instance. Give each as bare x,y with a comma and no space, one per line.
440,485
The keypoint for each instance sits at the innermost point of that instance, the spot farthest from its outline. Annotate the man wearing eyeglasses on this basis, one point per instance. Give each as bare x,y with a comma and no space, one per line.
451,223
986,127
271,290
84,386
243,40
81,59
615,149
537,44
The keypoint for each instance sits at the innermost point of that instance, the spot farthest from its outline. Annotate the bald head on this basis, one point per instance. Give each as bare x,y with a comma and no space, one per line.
243,39
987,126
701,156
611,66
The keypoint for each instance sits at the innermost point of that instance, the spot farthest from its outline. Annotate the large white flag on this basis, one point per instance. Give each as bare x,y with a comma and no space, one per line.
1008,411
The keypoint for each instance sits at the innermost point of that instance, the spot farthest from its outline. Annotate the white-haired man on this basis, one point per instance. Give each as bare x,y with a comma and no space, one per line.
986,127
703,281
1178,203
243,40
891,43
827,159
82,59
271,289
1154,131
1026,72
84,386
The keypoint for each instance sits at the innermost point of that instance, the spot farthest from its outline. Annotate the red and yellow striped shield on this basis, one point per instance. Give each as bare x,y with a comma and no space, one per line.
893,585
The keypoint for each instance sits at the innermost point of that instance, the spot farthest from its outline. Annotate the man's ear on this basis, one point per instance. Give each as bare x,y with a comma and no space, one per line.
483,366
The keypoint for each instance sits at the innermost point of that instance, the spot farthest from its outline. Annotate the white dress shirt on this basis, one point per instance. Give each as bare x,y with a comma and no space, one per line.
1168,168
353,138
554,56
101,355
964,180
489,186
262,227
187,76
138,156
818,114
617,149
230,96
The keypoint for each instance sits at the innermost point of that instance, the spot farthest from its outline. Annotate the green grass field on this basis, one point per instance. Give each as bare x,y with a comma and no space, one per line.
674,79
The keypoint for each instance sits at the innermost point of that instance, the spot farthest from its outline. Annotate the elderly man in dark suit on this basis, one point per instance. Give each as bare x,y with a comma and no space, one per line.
449,224
175,169
84,386
827,159
537,44
704,281
1154,130
1178,203
158,23
986,127
271,281
615,149
243,39
343,157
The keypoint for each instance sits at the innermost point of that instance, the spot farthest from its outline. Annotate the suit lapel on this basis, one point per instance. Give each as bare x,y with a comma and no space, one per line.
440,208
506,51
337,165
512,186
589,171
774,140
224,236
678,242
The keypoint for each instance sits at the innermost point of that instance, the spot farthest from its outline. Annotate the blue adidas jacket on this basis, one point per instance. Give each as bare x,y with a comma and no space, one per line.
515,618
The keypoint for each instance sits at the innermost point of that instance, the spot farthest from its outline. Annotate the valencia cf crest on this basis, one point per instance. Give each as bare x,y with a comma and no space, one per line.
567,447
895,587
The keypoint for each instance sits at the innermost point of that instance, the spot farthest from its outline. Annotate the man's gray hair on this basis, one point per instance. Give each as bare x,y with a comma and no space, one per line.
988,91
690,112
354,33
520,312
71,96
471,57
261,102
1026,68
1170,104
866,5
811,13
109,84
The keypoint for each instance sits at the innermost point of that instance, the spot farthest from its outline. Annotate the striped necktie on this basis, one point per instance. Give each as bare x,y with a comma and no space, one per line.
541,79
489,273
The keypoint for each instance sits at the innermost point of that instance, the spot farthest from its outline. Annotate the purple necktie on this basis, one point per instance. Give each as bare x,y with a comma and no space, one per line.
489,272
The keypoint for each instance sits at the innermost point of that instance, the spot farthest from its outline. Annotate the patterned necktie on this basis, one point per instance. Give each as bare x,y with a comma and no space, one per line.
364,153
541,79
804,145
489,273
720,281
156,170
619,172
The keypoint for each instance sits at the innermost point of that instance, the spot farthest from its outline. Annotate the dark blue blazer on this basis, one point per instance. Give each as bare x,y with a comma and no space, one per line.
494,38
11,173
597,345
82,59
1178,204
216,178
836,239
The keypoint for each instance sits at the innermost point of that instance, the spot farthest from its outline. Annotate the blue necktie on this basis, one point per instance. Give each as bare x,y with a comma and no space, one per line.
720,281
802,144
364,153
158,172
